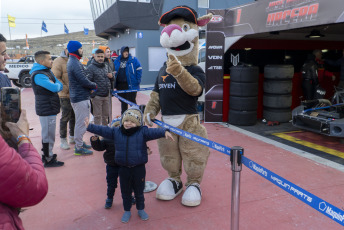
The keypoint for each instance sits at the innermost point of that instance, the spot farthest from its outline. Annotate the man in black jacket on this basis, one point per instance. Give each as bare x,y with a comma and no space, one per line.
98,73
309,77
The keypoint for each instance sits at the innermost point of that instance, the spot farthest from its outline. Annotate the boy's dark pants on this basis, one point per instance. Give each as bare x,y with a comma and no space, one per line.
111,179
133,179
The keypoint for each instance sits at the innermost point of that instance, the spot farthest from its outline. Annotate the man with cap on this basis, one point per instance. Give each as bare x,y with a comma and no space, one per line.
90,61
128,72
79,90
60,71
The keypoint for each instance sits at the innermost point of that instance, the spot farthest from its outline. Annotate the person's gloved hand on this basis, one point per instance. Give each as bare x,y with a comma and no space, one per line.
174,66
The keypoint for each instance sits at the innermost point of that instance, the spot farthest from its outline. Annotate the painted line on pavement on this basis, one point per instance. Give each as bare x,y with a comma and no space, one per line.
310,145
293,150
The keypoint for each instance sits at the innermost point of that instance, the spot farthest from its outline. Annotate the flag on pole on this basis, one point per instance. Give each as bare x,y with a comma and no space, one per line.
86,31
27,42
11,21
66,29
44,27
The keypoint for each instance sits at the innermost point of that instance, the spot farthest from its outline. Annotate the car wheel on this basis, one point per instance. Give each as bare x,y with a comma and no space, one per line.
244,73
244,118
243,89
25,80
243,103
280,115
278,72
16,83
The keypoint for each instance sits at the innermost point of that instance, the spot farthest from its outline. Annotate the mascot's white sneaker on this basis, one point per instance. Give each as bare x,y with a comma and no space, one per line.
169,189
192,195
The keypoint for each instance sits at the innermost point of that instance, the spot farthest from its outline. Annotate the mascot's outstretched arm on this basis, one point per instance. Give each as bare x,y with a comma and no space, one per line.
152,108
186,81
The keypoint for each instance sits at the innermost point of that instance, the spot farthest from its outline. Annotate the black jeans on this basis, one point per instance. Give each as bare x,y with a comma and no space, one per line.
308,89
67,116
133,179
129,96
112,180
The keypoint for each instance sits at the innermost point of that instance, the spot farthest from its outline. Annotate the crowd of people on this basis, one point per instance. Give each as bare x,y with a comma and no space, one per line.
66,85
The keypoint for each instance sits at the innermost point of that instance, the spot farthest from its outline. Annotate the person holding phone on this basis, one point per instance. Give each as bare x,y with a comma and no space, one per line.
22,169
47,103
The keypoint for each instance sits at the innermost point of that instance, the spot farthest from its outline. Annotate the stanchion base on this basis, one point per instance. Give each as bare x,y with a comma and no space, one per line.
150,186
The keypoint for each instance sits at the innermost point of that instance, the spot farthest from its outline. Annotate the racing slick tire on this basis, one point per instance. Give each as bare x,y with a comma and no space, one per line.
244,118
244,73
278,72
278,87
243,89
278,101
25,80
243,103
280,115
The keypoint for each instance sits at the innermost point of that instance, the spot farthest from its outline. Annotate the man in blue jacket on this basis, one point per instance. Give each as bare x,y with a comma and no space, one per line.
47,103
79,92
128,72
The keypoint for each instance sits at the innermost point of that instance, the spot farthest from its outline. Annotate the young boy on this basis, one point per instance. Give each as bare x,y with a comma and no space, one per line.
131,154
111,167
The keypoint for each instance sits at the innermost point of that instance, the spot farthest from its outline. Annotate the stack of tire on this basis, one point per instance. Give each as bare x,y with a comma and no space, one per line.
243,99
277,98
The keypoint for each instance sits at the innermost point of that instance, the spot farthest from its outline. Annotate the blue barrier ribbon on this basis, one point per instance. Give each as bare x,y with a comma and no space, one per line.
131,90
193,137
308,198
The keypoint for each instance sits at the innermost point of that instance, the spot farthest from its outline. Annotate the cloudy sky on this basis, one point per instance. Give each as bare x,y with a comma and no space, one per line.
29,14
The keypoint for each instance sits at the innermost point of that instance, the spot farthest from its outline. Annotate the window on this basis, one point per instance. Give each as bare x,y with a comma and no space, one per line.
156,58
145,1
203,3
128,0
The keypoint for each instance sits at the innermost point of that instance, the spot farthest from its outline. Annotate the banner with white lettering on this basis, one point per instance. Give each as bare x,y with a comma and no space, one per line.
275,15
214,73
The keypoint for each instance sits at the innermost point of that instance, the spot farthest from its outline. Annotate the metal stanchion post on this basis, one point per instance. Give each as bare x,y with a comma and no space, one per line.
236,153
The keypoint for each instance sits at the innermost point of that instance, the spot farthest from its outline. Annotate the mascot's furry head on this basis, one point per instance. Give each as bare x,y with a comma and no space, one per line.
180,35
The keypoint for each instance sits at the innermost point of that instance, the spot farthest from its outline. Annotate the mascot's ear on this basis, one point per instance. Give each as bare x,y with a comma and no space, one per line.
161,24
202,21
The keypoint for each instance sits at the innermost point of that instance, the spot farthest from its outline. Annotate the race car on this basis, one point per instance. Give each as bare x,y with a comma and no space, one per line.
321,115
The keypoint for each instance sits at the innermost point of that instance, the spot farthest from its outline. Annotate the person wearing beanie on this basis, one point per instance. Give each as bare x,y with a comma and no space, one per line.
128,72
130,140
93,53
80,89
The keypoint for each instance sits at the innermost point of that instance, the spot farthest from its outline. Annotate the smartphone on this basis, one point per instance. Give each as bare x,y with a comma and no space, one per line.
10,105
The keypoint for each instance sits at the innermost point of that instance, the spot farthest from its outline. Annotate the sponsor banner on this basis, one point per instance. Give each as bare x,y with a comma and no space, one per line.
214,81
275,15
308,198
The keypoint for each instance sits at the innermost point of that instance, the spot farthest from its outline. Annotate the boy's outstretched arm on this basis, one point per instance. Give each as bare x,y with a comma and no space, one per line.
104,131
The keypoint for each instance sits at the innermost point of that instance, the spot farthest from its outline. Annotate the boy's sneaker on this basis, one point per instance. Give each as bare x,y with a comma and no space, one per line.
126,217
108,203
143,215
86,146
82,152
64,144
71,140
53,163
133,200
44,160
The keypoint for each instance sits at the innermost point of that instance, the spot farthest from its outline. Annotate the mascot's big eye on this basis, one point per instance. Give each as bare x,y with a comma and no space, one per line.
186,27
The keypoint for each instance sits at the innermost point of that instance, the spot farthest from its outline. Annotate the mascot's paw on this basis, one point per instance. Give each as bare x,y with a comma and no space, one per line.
192,195
174,66
169,189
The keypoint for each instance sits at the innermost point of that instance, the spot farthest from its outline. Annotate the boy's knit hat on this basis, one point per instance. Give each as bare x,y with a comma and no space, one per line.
133,115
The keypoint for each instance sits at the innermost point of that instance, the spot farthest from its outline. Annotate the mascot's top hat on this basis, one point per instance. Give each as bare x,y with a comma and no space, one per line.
185,12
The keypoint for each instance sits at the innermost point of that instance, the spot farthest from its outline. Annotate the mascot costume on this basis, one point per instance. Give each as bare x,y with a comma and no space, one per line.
179,84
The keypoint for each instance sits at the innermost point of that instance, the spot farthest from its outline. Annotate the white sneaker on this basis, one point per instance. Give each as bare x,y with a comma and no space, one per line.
91,119
64,144
169,189
71,140
192,195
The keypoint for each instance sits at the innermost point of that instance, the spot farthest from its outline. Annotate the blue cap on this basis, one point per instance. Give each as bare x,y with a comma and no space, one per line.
73,46
94,50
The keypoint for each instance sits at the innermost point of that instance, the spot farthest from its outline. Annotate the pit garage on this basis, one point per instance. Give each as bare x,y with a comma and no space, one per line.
262,47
